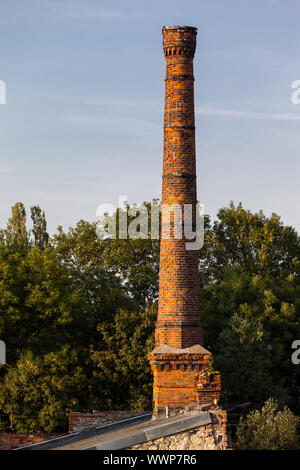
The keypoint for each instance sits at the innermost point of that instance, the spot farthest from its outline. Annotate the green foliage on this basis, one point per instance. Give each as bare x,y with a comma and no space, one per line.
40,307
83,255
268,429
78,314
16,231
39,230
249,265
245,351
134,260
273,306
253,242
38,392
123,371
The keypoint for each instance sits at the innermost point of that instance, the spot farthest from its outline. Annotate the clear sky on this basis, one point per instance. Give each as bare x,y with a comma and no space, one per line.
84,114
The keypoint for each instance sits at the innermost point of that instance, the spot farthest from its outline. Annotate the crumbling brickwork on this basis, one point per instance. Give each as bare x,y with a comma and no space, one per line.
208,387
219,422
79,421
10,441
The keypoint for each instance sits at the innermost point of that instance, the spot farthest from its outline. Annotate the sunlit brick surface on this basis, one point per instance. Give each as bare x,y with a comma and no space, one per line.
178,324
178,318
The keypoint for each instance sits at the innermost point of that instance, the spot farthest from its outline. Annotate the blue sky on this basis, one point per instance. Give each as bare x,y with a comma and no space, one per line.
84,114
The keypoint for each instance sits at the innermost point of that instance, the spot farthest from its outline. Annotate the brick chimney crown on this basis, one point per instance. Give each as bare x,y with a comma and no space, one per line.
179,40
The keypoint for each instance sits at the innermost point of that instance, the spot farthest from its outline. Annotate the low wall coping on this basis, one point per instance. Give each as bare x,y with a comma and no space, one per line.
155,432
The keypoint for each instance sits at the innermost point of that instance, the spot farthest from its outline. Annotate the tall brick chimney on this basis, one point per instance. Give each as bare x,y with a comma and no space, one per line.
178,356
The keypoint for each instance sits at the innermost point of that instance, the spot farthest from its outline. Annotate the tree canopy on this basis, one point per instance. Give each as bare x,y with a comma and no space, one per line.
78,314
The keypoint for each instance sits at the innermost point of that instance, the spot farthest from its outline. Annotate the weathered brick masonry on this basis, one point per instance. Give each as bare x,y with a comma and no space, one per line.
10,441
178,322
79,421
208,387
179,355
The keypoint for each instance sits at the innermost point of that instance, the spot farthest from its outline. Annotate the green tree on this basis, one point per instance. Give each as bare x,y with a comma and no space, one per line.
96,298
135,260
250,264
39,391
251,241
244,357
16,231
273,305
41,237
123,373
40,307
83,255
268,429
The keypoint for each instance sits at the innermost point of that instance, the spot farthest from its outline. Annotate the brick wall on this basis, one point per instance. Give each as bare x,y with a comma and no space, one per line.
9,441
79,421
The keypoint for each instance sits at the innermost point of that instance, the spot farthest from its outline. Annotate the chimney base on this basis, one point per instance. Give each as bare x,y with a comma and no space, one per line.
176,374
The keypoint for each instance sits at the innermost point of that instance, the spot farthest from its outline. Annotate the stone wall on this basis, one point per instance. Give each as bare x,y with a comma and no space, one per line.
202,439
80,421
207,437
